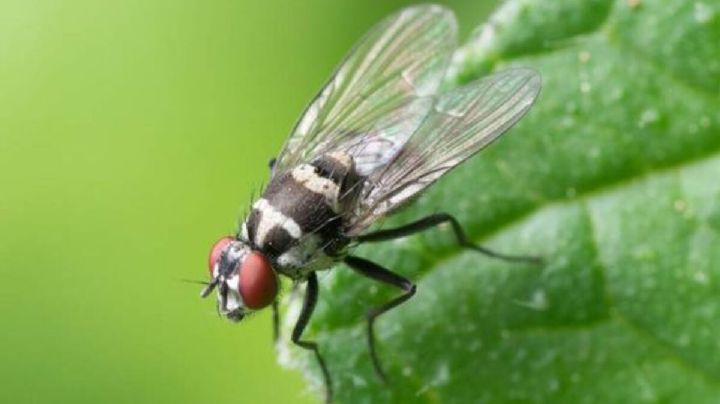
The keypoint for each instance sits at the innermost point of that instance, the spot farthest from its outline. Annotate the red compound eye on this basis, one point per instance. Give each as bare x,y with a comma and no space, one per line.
216,250
258,284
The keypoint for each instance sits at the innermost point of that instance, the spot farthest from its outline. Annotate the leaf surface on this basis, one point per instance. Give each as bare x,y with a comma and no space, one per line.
612,178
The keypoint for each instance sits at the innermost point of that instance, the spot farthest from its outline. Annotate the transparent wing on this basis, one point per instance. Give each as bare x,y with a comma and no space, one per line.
462,122
380,92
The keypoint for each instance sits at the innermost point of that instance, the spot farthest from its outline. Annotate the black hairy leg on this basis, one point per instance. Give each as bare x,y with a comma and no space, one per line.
311,296
380,274
437,219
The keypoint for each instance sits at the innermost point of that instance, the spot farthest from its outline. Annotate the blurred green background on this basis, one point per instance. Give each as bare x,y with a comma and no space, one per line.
132,134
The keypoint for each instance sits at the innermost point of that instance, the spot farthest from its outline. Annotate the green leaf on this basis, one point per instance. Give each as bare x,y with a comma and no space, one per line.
612,178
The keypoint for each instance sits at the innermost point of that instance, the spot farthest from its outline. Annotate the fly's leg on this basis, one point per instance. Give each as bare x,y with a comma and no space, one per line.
276,321
311,295
378,273
436,220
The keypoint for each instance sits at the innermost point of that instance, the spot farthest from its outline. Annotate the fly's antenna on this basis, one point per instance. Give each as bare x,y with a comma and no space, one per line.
194,281
209,288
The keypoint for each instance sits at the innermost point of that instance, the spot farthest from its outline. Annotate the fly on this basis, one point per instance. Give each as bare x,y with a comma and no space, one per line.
376,136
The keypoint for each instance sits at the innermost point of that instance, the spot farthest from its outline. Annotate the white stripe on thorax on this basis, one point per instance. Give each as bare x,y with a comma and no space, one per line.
341,158
305,174
271,217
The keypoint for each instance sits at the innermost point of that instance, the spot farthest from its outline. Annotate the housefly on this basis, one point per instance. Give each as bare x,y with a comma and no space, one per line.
376,136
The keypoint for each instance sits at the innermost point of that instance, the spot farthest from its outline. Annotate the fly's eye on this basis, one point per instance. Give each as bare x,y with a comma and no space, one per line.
257,283
215,252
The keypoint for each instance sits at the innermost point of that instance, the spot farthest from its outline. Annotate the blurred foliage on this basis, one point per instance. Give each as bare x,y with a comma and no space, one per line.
132,134
612,178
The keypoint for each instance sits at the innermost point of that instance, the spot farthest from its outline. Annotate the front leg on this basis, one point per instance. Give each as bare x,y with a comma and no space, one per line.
311,295
378,273
436,220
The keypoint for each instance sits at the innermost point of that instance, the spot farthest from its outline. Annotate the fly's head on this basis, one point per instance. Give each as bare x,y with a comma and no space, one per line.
244,278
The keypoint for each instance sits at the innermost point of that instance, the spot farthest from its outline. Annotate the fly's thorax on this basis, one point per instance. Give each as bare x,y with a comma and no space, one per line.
340,168
299,221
